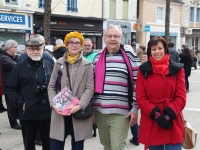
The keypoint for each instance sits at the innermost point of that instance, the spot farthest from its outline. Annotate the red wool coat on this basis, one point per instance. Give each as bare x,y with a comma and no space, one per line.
162,91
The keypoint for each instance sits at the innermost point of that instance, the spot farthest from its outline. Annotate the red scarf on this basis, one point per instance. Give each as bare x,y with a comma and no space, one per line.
162,64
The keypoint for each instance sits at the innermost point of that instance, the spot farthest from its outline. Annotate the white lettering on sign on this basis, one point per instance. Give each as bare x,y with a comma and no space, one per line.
5,18
88,25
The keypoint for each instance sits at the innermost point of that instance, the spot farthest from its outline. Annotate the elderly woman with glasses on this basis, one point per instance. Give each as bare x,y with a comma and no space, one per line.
80,81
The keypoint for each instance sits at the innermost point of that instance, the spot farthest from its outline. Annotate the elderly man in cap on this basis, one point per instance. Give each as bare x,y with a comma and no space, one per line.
27,88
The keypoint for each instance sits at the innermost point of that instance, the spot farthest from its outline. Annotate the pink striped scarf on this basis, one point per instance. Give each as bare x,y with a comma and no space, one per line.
101,67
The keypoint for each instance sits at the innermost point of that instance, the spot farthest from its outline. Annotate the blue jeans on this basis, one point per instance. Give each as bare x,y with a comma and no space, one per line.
166,147
59,145
134,131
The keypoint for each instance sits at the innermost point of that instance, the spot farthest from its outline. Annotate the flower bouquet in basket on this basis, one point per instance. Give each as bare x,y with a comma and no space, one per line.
65,99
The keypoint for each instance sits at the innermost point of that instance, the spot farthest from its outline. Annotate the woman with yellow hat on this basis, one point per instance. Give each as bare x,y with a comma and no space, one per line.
80,81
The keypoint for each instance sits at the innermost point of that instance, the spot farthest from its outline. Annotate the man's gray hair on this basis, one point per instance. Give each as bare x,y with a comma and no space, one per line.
59,42
113,26
9,43
87,39
40,37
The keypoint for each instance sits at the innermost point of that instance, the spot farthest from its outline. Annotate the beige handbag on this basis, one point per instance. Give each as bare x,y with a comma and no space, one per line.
190,134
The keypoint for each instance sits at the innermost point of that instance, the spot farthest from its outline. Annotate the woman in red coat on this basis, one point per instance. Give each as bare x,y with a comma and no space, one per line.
161,96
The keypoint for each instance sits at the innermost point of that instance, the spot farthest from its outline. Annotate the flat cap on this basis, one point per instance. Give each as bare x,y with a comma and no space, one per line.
185,45
34,42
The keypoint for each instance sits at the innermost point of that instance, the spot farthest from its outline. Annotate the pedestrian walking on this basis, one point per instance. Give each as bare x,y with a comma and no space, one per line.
186,59
8,60
161,96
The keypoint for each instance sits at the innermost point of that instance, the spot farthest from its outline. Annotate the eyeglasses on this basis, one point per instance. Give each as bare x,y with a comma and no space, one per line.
114,36
74,43
87,45
34,48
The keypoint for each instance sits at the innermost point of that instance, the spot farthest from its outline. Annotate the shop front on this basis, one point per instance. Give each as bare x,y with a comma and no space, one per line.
61,25
192,36
126,30
16,26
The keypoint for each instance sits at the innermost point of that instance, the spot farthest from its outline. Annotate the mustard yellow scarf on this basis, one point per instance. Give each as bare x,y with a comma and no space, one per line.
71,59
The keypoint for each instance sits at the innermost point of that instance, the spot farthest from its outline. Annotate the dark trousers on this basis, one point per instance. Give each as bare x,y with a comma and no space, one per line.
29,129
187,83
134,131
59,145
11,120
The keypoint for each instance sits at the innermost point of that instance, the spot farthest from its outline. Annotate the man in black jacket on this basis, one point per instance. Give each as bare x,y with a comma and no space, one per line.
27,88
7,61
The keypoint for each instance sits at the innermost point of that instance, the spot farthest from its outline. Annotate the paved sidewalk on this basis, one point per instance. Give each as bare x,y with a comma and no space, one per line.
11,139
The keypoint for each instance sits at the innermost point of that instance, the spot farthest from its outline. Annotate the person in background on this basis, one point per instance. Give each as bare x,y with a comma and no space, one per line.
144,57
115,70
27,88
2,108
82,85
186,58
59,50
140,50
45,55
194,62
161,97
88,52
173,53
8,60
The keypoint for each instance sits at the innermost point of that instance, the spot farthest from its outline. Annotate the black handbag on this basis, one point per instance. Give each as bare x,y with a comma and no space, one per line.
81,114
84,114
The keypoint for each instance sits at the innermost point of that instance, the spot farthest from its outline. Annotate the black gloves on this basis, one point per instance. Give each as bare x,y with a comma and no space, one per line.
168,111
153,112
163,121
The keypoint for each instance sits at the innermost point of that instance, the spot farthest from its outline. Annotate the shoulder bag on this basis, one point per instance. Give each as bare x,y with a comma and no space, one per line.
190,134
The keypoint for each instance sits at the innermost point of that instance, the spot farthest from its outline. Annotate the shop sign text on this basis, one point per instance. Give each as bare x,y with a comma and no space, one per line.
12,18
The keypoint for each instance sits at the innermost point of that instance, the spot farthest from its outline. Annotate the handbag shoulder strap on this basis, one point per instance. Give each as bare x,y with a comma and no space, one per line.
182,118
67,67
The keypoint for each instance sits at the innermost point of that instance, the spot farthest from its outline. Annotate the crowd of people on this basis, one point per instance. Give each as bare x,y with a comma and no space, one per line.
117,81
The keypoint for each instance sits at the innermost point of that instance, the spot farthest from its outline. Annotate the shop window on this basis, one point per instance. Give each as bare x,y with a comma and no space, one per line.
160,14
72,5
191,14
11,2
41,4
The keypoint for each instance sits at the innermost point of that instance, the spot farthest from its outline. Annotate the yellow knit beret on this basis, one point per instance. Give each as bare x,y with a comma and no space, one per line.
74,34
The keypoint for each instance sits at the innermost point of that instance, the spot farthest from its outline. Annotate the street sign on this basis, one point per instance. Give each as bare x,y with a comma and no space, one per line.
146,28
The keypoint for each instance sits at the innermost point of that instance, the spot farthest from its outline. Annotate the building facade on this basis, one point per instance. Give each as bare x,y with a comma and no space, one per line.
66,16
15,23
124,14
152,21
191,24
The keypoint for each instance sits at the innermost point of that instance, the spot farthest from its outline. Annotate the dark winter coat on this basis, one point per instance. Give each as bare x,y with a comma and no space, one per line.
59,51
7,63
174,55
186,60
22,84
45,56
164,91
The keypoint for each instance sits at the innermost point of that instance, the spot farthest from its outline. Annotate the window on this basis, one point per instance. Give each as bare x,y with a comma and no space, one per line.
41,4
198,15
72,5
11,2
191,14
160,14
